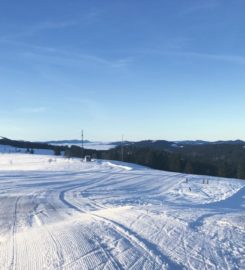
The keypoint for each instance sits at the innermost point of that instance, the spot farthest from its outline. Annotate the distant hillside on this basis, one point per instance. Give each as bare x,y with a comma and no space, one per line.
226,159
156,145
32,147
174,145
75,142
29,146
153,144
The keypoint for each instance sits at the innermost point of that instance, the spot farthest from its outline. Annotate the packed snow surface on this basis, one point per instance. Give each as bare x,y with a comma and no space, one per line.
58,213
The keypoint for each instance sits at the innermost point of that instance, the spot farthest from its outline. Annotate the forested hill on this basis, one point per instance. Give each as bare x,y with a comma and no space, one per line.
226,159
31,145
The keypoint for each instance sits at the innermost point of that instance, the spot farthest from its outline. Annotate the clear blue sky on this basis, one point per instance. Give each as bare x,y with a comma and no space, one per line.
157,69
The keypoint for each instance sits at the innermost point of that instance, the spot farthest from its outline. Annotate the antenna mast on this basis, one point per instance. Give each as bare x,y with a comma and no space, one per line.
122,148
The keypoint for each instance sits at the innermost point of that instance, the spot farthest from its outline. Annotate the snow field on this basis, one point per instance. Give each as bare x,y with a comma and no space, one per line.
68,214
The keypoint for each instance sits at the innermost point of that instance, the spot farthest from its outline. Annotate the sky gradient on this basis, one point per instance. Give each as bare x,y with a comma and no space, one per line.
170,70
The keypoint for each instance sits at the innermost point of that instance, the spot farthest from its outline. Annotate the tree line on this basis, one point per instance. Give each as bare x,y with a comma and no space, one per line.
223,161
214,160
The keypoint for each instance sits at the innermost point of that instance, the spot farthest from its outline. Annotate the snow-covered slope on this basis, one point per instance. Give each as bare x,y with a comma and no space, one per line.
10,149
58,213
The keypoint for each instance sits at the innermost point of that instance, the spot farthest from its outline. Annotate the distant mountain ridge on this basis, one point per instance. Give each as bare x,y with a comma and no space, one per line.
153,144
173,145
67,141
30,145
198,142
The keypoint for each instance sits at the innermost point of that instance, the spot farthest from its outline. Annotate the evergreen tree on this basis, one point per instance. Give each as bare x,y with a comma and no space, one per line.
57,151
241,171
188,167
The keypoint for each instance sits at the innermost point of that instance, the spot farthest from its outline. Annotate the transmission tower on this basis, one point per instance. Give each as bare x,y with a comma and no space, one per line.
82,142
122,149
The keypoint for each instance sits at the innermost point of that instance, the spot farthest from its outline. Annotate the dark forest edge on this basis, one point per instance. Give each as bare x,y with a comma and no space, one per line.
223,159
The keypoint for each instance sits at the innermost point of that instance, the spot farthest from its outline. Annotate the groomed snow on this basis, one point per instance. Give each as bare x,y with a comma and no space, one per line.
58,213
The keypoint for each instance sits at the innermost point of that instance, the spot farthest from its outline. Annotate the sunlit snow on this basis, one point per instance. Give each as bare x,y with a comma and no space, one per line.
58,213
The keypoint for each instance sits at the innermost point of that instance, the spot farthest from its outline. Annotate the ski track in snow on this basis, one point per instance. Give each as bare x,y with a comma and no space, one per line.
58,213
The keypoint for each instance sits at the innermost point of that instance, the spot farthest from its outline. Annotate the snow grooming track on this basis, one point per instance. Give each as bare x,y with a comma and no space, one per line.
13,260
70,215
57,245
151,250
110,260
158,259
